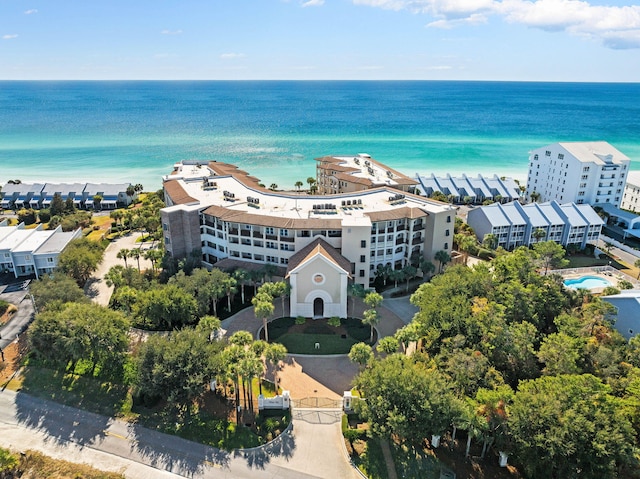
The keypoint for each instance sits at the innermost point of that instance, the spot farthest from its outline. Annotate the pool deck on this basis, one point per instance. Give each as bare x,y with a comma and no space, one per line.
607,273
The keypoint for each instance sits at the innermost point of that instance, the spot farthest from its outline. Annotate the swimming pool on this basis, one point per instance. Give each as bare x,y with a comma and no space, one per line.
587,282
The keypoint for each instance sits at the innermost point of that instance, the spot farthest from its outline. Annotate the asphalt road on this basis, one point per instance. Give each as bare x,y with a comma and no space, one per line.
311,450
20,319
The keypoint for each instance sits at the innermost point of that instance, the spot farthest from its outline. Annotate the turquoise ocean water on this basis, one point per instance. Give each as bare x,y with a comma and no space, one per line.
136,131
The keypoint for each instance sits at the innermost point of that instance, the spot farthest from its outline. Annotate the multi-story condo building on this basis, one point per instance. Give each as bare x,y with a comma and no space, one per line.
26,252
580,172
631,195
476,190
349,174
516,225
222,211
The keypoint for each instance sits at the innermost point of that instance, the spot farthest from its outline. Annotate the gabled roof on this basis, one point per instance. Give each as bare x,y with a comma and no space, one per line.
319,247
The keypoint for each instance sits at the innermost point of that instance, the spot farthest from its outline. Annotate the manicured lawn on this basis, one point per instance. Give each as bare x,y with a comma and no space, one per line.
302,339
369,458
76,391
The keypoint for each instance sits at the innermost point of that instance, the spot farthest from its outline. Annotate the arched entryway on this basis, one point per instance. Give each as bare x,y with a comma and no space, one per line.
318,308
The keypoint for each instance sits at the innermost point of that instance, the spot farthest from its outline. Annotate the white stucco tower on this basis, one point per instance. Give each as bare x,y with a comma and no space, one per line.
318,276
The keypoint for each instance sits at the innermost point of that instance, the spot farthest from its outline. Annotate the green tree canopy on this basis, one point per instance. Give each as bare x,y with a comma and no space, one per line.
405,398
165,308
570,426
80,259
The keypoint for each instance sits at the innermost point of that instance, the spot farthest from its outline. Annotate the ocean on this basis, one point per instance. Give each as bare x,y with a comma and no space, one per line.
134,131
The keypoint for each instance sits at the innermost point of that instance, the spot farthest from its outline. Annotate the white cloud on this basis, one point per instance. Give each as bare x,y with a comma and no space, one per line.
615,26
30,11
313,3
10,37
232,56
171,32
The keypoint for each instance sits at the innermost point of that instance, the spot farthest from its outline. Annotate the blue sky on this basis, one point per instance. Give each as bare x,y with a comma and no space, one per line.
538,40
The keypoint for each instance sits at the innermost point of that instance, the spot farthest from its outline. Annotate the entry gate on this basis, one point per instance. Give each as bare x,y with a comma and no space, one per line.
317,403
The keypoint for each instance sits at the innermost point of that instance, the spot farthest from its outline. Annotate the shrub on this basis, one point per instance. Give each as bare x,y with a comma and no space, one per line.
334,321
44,215
3,307
8,461
485,254
301,320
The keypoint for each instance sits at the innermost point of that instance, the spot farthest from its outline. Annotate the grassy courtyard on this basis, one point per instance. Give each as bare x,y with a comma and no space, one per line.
303,338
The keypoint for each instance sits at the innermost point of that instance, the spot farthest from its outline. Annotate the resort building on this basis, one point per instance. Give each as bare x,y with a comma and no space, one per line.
580,172
349,174
627,316
516,225
38,196
26,252
319,241
463,189
631,195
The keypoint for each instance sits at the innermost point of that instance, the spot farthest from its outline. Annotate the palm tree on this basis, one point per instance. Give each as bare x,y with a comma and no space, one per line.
136,253
275,353
230,287
409,272
312,181
443,258
535,196
124,254
355,290
382,271
490,241
268,270
263,308
538,234
426,267
371,318
116,215
241,276
299,185
465,244
396,275
273,187
153,255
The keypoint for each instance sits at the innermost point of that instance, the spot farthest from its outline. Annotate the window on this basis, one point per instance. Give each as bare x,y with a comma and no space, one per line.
167,240
49,260
560,156
363,243
269,230
284,232
272,259
361,273
164,227
448,219
547,153
363,258
446,246
271,245
284,260
586,168
446,233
